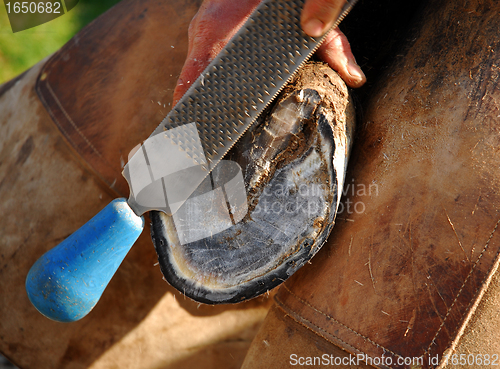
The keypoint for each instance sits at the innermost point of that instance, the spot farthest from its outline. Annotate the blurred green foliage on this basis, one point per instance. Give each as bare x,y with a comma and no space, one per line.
19,51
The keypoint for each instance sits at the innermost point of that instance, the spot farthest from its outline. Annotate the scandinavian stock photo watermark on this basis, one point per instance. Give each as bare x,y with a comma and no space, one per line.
354,360
328,360
288,199
171,173
354,195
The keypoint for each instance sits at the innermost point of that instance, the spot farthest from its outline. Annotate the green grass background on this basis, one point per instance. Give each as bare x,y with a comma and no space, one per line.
20,50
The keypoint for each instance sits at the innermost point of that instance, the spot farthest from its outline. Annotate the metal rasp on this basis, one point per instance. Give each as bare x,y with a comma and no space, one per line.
66,282
221,105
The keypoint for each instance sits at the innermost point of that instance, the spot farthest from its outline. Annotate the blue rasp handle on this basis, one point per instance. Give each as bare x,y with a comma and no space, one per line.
67,281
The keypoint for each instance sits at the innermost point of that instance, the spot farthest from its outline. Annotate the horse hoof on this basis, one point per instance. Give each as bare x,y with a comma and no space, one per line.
269,206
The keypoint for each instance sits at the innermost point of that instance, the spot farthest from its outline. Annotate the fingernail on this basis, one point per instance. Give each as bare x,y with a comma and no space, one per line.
355,71
314,27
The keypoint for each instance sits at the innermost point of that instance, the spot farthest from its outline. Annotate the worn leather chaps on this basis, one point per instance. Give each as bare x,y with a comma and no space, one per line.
409,274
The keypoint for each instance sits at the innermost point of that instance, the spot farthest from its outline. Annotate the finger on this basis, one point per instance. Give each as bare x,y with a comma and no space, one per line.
210,30
188,75
336,51
203,44
318,16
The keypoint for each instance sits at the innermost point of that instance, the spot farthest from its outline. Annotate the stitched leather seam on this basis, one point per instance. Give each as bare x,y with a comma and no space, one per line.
326,333
461,288
53,116
321,329
336,321
69,46
71,120
376,344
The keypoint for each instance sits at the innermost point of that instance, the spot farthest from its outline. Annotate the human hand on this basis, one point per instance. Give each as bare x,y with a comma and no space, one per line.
218,20
318,16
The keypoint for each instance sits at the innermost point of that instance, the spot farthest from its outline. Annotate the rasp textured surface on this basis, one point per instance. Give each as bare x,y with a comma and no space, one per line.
243,79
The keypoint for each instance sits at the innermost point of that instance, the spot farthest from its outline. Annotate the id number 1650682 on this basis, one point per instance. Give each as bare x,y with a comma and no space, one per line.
33,7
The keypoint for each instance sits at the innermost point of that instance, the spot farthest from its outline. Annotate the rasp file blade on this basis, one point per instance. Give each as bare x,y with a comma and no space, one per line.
221,105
